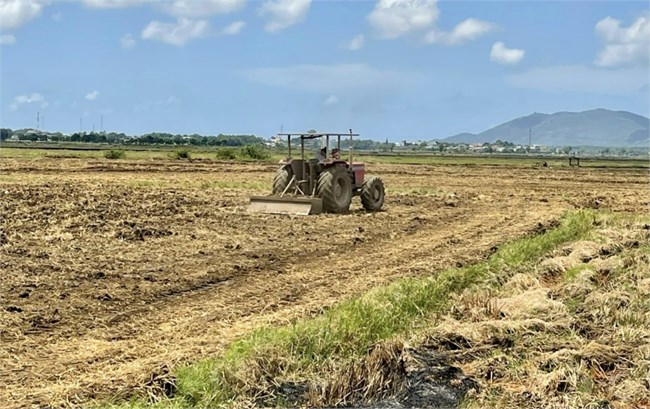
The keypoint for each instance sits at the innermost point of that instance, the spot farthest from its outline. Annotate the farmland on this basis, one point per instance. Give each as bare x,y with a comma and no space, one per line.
115,272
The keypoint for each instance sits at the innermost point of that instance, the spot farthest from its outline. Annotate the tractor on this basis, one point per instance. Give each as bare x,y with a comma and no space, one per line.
325,183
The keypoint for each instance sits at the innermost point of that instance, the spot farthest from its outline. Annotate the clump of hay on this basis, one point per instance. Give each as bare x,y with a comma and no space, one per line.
562,380
643,286
378,375
450,332
611,299
607,265
631,391
617,239
585,250
582,285
530,304
558,265
474,306
520,283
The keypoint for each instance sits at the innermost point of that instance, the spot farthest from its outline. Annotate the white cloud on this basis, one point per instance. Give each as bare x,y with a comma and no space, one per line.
114,4
282,14
176,8
33,98
467,30
503,55
150,105
92,96
329,79
15,13
202,8
624,45
178,33
578,78
355,44
394,18
57,16
7,39
331,100
233,28
127,41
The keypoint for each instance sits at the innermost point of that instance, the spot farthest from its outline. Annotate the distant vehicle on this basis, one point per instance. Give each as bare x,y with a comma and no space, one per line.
323,184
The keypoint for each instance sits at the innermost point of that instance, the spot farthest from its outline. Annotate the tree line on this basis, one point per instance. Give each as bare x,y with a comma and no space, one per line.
118,138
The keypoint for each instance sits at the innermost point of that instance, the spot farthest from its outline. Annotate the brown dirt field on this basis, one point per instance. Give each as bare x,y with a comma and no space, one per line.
111,272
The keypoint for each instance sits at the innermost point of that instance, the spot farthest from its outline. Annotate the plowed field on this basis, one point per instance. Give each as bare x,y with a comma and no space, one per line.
113,272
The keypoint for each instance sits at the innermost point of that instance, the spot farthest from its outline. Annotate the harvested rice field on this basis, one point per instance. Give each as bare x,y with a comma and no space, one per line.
112,273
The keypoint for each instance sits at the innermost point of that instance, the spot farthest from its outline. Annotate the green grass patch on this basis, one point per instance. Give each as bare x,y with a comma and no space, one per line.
573,272
9,179
347,331
37,150
182,153
226,154
115,154
253,152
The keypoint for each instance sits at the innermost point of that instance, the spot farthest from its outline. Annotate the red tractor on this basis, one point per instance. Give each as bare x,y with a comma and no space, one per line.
325,183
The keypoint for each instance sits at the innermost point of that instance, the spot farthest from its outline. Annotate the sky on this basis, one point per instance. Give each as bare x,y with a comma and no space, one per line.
396,69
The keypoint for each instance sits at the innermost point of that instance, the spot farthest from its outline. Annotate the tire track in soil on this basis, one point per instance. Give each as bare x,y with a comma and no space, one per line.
184,327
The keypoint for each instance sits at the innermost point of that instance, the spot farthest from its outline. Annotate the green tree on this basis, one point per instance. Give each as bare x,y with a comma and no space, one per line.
5,133
253,152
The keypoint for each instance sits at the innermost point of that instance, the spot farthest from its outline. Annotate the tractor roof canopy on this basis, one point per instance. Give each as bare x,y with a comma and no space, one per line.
307,135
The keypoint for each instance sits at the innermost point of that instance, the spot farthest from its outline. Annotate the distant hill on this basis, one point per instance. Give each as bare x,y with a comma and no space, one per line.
598,127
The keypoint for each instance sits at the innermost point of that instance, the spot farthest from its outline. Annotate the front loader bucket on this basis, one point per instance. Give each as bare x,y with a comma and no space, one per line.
286,205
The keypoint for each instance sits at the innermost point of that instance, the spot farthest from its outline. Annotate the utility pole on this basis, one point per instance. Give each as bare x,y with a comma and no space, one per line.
38,114
43,121
530,133
81,124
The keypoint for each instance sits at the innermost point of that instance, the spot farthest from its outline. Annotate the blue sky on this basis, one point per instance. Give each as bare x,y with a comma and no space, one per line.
397,69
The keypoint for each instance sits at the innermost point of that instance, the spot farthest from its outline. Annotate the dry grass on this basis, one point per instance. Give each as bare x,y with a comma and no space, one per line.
325,361
580,340
111,300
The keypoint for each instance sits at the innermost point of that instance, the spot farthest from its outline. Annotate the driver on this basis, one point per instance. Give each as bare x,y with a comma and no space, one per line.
336,154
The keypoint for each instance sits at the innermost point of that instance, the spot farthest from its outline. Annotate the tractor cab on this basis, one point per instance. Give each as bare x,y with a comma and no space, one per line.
325,183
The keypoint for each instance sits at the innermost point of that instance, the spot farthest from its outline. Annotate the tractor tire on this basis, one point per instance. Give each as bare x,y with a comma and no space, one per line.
335,188
372,194
281,179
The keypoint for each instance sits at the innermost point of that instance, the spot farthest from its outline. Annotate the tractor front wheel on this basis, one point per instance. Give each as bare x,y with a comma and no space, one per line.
281,179
335,188
372,194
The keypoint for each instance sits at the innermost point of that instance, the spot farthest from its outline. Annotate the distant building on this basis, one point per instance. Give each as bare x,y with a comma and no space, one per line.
476,147
273,141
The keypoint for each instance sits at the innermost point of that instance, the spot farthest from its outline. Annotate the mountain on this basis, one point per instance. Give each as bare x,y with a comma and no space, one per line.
598,127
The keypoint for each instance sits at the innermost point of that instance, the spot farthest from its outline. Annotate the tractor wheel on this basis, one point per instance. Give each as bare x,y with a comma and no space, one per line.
281,179
335,188
372,194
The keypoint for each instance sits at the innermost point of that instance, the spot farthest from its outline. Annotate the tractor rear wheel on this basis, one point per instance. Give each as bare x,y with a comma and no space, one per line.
281,179
335,188
372,194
